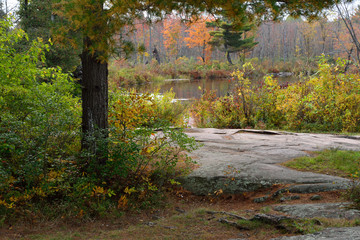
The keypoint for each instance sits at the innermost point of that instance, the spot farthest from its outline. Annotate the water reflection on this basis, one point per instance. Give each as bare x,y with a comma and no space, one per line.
195,88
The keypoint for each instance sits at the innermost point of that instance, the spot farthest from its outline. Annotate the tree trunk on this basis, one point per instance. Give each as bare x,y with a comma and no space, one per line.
203,51
156,54
228,58
94,103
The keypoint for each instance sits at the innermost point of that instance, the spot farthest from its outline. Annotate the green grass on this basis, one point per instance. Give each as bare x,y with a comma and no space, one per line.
194,224
334,162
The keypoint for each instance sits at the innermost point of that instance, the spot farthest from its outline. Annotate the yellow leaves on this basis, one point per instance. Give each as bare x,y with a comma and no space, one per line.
97,190
39,192
150,149
218,192
270,81
123,202
81,213
53,176
132,111
7,205
328,101
174,182
248,66
244,89
355,175
129,191
124,199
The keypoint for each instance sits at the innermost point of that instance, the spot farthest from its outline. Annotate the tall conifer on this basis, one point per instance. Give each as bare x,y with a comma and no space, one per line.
230,38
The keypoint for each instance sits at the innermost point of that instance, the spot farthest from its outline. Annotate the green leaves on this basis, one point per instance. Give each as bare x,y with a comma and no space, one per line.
39,121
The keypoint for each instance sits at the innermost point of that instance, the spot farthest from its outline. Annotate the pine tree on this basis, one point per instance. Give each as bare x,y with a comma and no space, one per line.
2,10
38,20
230,38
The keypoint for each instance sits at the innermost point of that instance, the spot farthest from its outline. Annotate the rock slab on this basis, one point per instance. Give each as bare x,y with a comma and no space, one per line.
238,160
350,233
323,210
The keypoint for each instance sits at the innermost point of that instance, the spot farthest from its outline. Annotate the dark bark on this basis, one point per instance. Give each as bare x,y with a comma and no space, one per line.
203,51
156,54
26,3
26,15
94,102
228,58
348,60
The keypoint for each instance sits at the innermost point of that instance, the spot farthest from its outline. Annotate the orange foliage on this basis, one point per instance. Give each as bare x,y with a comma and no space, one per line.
172,35
198,38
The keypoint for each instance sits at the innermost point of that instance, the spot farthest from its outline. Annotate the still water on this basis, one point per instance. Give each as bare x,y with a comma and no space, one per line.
193,89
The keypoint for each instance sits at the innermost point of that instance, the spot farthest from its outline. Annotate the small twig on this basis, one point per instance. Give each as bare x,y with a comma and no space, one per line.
226,213
234,224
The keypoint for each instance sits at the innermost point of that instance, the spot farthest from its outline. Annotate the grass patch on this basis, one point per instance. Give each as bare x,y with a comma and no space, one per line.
193,224
302,226
332,162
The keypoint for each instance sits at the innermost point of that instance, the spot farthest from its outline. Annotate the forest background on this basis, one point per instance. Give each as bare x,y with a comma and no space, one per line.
286,45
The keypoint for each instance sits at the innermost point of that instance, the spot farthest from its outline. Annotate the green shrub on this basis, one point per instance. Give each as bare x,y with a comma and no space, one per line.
39,123
325,102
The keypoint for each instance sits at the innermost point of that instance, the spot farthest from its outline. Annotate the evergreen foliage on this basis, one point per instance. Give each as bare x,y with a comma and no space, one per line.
2,12
230,38
38,20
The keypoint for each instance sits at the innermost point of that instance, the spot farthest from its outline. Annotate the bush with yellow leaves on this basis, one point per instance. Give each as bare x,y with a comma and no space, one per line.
145,146
327,101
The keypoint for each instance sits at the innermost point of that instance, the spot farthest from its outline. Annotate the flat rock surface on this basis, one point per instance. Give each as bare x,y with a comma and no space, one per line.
237,160
323,210
350,233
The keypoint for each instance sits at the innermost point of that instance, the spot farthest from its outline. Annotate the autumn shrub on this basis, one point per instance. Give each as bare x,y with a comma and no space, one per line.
267,113
234,111
130,77
325,102
202,110
145,154
144,147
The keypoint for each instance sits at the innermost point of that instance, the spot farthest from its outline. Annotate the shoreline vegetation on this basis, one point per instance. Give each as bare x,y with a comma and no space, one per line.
123,74
325,101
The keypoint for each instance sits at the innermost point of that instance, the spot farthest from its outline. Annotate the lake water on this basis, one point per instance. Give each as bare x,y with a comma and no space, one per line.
195,88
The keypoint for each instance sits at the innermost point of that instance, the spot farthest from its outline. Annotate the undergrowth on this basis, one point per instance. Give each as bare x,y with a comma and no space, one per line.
44,174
